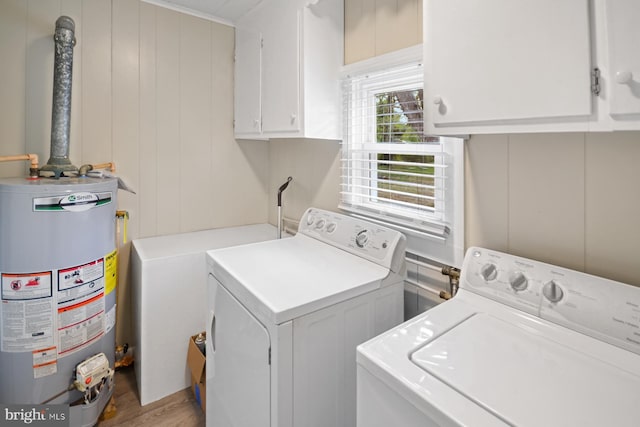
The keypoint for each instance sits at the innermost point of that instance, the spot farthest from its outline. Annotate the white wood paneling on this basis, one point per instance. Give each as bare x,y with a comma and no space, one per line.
613,205
398,24
13,32
381,26
546,197
359,30
196,203
487,192
125,102
565,199
39,75
95,81
315,168
147,190
126,137
168,120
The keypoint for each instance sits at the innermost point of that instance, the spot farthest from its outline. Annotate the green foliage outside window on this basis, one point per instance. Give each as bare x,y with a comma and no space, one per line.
399,120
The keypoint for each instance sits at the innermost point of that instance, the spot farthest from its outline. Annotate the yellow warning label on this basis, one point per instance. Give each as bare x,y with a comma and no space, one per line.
110,272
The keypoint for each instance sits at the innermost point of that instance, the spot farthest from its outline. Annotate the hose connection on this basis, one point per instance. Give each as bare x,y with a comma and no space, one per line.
454,281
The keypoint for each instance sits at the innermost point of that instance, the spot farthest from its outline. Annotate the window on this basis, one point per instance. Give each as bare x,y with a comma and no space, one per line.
391,171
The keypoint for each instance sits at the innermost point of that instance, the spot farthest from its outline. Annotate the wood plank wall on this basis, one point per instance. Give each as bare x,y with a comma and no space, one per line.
152,92
376,27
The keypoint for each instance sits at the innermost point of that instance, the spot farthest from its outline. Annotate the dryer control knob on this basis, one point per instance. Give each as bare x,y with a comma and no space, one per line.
320,224
489,272
518,281
331,227
552,291
362,238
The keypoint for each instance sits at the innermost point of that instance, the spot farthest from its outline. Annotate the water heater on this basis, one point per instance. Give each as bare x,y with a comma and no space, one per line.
58,299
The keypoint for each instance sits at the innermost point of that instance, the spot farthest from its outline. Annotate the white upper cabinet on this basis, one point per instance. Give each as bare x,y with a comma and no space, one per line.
247,112
281,68
295,48
623,48
496,66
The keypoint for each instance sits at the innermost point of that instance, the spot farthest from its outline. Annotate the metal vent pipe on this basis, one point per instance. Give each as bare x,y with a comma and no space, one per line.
64,38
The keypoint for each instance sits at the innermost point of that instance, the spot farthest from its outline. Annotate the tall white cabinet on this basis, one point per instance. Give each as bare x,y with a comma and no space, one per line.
531,65
288,59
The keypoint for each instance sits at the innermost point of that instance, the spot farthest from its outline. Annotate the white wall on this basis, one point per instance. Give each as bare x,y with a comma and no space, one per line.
152,92
375,27
567,199
314,166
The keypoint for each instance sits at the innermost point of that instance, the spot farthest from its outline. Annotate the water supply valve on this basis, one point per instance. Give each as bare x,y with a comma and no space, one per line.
454,281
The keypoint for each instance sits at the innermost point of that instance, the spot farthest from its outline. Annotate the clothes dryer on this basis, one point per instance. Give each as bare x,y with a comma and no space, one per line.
287,315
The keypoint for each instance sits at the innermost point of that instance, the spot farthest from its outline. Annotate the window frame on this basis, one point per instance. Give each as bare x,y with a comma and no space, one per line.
440,236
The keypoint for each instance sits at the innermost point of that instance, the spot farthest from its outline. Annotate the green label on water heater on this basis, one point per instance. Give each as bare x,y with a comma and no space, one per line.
75,202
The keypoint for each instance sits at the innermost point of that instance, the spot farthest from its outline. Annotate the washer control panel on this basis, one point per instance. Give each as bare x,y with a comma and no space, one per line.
602,308
374,242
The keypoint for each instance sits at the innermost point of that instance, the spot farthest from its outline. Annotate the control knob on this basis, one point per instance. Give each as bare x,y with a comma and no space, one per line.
552,291
319,224
489,272
331,227
518,281
362,238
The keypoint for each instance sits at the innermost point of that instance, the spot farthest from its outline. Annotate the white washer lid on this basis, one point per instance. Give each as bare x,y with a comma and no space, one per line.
529,379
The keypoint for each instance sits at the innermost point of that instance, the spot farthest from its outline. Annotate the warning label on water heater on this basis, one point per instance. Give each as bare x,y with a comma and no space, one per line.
45,362
27,305
59,309
81,306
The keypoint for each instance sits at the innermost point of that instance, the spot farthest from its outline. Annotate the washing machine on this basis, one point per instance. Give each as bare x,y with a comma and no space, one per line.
523,343
286,318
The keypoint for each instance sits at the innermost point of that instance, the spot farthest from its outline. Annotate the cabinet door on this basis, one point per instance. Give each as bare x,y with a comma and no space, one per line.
280,68
238,369
247,102
623,34
505,61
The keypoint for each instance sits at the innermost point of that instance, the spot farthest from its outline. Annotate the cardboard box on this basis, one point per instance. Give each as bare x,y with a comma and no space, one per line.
197,365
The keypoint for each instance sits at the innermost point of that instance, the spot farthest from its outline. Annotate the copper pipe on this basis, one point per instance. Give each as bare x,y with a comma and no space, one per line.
111,166
84,169
33,158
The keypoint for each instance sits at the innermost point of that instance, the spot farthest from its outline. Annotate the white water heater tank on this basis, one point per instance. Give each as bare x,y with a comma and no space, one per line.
58,299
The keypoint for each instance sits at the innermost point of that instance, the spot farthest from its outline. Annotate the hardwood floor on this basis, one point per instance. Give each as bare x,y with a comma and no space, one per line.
179,409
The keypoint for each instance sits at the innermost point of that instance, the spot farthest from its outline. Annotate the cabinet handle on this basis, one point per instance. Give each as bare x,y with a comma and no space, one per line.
212,333
437,100
624,77
293,118
256,123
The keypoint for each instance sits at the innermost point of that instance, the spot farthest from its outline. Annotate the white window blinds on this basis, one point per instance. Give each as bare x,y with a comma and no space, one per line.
391,171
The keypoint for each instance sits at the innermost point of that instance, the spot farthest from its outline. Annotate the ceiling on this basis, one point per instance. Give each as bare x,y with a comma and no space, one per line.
219,10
